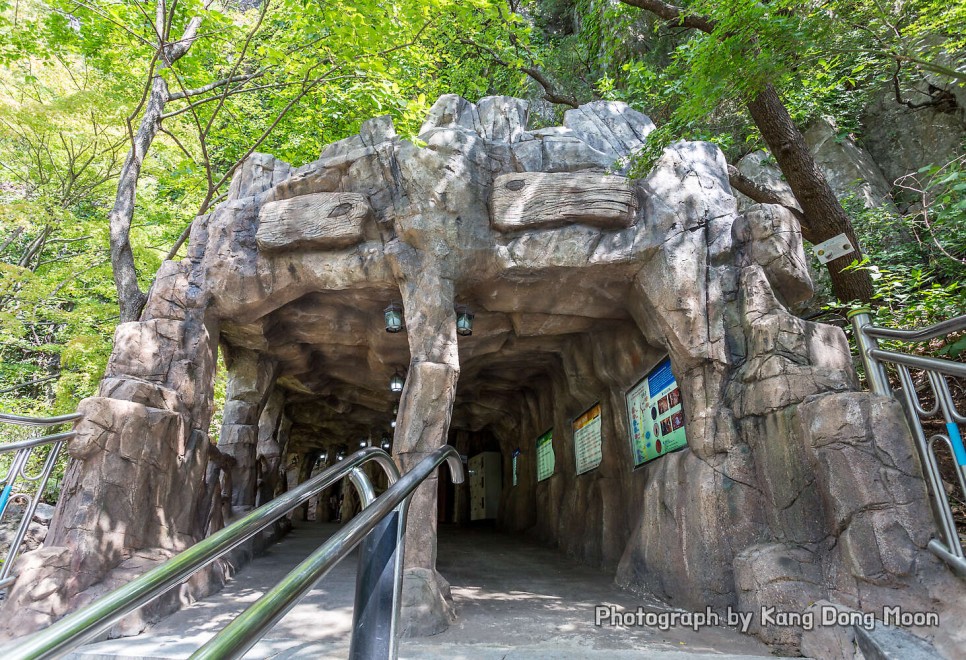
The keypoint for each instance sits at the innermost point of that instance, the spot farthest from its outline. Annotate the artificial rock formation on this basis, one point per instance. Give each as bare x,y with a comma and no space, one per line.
795,486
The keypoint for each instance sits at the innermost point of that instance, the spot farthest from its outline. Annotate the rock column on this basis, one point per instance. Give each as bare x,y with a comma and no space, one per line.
250,377
423,422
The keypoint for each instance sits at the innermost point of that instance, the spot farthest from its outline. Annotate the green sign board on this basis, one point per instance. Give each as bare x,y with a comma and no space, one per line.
545,458
655,415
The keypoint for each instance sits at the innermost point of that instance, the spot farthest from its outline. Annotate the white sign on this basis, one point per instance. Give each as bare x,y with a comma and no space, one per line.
833,248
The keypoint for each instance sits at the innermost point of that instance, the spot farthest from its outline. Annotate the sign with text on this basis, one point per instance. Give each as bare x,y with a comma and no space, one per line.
655,415
545,458
587,440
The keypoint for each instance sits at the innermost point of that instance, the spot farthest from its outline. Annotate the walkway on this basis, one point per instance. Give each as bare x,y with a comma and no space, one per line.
515,600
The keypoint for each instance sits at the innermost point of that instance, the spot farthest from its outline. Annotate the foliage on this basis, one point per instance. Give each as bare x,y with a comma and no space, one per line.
918,265
71,88
73,77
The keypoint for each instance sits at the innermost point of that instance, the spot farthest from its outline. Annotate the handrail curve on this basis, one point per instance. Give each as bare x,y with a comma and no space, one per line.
948,546
235,639
83,625
20,420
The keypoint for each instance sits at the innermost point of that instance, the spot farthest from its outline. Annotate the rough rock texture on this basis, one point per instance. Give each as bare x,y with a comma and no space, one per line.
542,201
901,140
849,169
319,220
793,487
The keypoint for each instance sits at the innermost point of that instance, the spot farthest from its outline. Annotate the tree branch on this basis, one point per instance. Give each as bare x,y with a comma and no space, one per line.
674,14
174,96
550,92
241,90
241,58
756,193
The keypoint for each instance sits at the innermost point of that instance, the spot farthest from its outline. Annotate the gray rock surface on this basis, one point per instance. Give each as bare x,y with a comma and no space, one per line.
901,140
848,167
794,486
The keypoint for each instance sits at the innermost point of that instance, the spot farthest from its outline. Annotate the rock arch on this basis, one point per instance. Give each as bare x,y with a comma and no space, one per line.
580,277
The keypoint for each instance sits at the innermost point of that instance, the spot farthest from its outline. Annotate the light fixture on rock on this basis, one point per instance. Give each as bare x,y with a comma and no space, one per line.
386,444
340,456
364,442
464,321
394,318
397,381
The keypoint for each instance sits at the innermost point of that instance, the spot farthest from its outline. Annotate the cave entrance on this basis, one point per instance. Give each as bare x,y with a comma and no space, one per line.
533,365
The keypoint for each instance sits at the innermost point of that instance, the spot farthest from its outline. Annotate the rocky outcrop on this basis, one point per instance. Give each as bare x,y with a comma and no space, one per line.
849,169
902,140
794,486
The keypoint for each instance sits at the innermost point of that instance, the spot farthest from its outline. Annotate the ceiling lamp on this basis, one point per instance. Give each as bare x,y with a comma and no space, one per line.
464,321
394,318
396,382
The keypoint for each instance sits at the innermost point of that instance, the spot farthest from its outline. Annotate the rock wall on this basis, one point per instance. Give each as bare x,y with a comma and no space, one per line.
794,486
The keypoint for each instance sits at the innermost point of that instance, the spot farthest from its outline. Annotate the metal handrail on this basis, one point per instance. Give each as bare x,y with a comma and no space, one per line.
940,329
948,546
17,469
245,630
38,421
83,625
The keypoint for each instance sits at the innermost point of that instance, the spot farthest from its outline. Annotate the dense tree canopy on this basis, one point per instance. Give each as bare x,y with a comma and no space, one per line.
80,79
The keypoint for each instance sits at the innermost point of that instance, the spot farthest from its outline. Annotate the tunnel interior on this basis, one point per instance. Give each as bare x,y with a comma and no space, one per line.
542,352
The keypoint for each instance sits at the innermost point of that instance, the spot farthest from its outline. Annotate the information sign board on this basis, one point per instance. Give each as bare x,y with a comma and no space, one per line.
587,440
545,457
655,415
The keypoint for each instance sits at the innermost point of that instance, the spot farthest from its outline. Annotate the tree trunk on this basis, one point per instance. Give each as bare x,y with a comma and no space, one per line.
130,298
823,212
824,215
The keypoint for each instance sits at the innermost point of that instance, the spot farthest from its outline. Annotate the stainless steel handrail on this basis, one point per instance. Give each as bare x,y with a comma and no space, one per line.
940,329
85,624
35,442
17,476
38,421
948,546
247,628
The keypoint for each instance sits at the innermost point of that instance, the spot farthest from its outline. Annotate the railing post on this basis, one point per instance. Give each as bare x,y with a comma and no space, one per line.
17,480
373,618
874,371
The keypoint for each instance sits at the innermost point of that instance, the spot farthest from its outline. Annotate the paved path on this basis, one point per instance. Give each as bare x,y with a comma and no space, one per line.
515,599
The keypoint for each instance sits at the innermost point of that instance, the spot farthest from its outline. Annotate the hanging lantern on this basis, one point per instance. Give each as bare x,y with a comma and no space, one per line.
464,321
396,382
394,318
